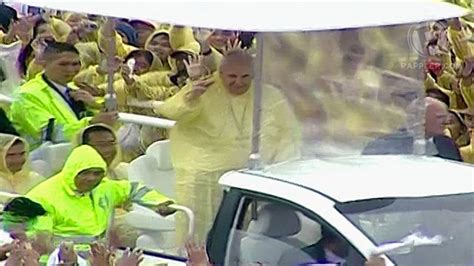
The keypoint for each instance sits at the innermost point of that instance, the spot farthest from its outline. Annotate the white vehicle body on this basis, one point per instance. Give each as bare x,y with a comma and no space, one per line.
318,185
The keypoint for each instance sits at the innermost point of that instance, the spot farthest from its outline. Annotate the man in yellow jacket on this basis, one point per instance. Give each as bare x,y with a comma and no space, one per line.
103,139
213,134
47,105
79,201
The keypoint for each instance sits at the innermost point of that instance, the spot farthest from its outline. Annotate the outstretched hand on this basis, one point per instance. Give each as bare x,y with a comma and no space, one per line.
202,35
100,255
197,255
233,46
199,88
195,67
131,258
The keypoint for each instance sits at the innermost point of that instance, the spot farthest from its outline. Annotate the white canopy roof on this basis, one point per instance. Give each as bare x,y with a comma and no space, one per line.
265,15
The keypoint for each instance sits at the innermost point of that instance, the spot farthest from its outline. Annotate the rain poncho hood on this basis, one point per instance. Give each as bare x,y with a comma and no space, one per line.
19,182
123,91
182,40
6,142
467,152
155,64
162,31
82,158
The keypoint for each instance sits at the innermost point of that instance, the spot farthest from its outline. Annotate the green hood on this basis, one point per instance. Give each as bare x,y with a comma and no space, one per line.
82,158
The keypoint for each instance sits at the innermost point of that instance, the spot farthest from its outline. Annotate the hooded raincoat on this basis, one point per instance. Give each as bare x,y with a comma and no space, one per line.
213,136
164,66
467,90
467,152
117,170
76,215
446,85
462,42
20,182
145,89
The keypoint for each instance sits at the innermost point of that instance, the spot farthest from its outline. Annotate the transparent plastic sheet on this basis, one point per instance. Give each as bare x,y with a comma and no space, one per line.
351,88
9,77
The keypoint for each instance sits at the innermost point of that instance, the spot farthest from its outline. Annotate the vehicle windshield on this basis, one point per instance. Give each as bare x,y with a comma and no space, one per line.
390,220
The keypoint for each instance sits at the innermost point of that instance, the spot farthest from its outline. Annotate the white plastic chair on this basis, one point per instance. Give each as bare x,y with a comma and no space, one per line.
161,150
41,167
54,155
156,232
164,180
57,155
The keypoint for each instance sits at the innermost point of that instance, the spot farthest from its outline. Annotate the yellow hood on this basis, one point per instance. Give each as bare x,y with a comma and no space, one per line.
190,48
163,30
156,33
182,40
67,15
81,158
155,64
6,141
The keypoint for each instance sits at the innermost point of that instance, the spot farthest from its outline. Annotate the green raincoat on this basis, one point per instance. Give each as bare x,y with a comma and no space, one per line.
74,215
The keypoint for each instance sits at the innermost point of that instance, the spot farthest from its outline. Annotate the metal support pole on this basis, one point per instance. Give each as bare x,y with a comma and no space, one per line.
110,98
255,157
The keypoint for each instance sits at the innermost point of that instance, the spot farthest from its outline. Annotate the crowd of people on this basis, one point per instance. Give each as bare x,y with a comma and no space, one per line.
203,80
450,76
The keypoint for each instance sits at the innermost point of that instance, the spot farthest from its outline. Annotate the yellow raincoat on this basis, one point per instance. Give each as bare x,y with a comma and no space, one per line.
42,104
462,42
86,215
122,49
92,76
89,53
33,70
467,152
158,88
213,135
445,85
181,40
20,182
117,170
467,91
4,39
149,82
163,66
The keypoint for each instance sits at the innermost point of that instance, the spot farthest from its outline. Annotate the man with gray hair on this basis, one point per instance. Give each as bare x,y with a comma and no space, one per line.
213,134
403,141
